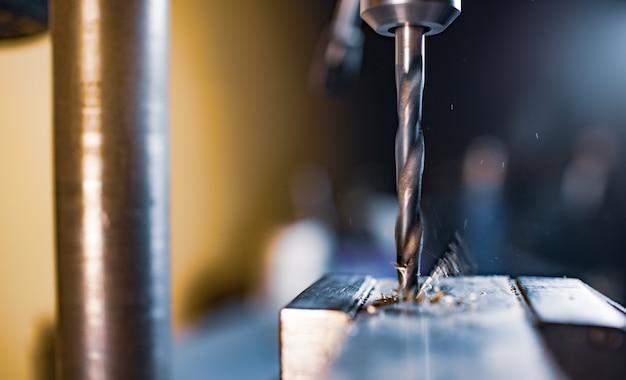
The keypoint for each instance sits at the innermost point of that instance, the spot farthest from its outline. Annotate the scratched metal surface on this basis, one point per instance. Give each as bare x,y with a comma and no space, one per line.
341,292
479,330
315,324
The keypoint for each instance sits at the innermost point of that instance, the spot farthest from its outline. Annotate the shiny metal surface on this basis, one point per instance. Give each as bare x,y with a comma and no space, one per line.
478,330
315,324
110,66
384,16
409,152
346,22
467,327
580,306
585,331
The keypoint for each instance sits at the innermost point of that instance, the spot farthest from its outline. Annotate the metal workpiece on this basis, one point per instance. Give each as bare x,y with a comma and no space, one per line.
315,324
478,330
111,159
473,327
584,330
384,16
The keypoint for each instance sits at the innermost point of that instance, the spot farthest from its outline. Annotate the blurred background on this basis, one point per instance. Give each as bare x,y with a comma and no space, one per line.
275,182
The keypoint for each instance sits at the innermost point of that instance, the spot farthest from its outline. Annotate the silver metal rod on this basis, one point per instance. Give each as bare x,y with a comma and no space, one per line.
111,149
409,152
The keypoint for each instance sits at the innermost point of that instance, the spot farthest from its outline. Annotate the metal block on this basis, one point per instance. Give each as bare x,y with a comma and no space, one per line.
478,330
584,330
474,327
315,324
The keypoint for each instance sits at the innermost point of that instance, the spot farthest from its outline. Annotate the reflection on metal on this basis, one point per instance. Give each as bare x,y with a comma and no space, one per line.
472,328
315,324
586,334
409,151
111,188
569,301
475,327
91,171
384,16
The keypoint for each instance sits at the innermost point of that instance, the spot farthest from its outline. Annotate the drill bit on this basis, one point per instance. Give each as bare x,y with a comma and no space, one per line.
409,153
409,21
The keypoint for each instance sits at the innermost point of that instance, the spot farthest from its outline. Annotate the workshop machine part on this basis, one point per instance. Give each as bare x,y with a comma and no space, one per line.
111,154
409,153
585,331
487,338
409,21
386,15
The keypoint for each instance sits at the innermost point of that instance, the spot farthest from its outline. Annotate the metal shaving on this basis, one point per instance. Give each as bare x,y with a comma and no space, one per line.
455,261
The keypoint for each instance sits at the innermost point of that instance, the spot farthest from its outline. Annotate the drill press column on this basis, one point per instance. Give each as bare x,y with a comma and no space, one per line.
409,21
111,149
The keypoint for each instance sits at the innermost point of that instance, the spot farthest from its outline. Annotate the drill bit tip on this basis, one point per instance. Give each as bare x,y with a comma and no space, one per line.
402,275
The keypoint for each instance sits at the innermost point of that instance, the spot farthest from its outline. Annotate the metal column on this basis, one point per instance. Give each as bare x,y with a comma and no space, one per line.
111,150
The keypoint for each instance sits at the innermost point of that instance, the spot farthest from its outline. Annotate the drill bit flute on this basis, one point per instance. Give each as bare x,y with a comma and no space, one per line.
409,21
409,153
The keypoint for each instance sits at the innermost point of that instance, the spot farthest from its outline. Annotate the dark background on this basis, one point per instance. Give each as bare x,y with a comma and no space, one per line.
540,77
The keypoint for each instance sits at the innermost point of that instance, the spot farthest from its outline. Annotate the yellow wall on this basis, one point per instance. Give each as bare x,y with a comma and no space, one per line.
26,237
241,120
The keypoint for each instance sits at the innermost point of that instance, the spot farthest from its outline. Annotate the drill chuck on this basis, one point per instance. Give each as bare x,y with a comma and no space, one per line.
384,16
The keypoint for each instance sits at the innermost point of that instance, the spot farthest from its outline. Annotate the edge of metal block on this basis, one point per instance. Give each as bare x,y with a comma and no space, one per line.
558,300
314,325
584,330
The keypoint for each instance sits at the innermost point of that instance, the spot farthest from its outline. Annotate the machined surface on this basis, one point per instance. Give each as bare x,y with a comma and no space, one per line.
110,66
315,324
384,16
467,327
478,330
585,331
569,301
